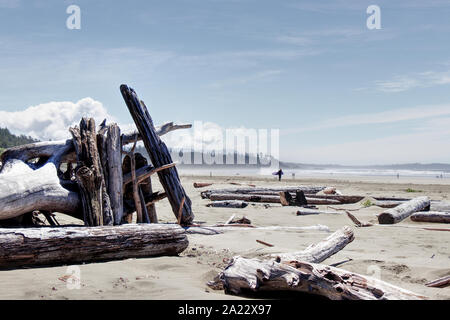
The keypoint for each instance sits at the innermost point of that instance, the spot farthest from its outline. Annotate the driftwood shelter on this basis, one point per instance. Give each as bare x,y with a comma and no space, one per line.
88,178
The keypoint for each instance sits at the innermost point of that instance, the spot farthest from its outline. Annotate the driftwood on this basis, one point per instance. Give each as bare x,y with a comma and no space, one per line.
263,191
439,283
356,220
252,275
431,216
201,184
322,250
306,211
228,204
404,210
287,273
159,155
114,172
68,245
89,172
160,131
244,197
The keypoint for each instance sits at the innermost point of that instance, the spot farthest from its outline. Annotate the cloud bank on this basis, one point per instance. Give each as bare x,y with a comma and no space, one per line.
51,121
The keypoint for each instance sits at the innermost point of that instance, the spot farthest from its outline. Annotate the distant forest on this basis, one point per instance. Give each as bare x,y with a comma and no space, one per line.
8,140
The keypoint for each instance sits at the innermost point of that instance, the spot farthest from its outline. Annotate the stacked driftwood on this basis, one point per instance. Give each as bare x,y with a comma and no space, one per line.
96,178
306,198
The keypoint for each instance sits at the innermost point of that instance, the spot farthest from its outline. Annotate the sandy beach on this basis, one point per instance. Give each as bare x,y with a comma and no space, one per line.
406,257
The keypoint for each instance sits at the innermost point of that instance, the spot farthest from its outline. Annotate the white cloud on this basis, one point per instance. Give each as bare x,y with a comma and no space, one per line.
51,121
389,116
416,80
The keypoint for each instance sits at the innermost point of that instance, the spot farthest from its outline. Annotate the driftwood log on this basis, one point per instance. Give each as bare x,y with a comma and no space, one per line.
263,191
89,173
306,211
68,245
160,156
439,283
243,276
431,216
404,210
287,273
228,204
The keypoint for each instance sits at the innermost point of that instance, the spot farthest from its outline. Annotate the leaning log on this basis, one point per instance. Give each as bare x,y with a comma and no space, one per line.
68,245
431,216
159,155
404,210
252,275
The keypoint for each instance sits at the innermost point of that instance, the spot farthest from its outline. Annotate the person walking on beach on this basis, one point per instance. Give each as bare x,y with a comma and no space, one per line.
279,174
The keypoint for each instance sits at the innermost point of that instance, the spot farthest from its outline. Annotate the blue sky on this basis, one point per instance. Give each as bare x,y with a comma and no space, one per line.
338,92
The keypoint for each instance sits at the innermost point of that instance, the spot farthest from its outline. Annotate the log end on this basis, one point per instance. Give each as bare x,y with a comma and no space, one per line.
386,218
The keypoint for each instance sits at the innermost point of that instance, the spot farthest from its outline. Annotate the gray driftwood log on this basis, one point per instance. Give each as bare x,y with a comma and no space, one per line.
251,275
431,216
89,173
160,156
228,204
263,191
68,245
404,210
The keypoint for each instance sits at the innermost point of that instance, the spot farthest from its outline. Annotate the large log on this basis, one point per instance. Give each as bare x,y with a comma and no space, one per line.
404,210
67,245
89,172
244,197
262,191
24,190
431,216
252,275
159,155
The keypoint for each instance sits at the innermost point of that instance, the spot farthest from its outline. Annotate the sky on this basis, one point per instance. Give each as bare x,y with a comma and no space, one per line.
338,91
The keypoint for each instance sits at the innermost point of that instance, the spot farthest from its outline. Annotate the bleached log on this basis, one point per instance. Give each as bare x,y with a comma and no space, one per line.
404,210
228,204
306,211
233,227
23,189
69,245
322,250
431,216
252,275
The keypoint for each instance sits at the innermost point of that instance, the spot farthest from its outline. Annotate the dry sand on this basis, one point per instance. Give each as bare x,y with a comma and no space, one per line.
402,256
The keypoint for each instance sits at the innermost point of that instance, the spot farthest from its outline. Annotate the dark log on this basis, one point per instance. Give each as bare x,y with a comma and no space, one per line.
431,216
201,184
88,172
159,155
69,245
404,210
228,204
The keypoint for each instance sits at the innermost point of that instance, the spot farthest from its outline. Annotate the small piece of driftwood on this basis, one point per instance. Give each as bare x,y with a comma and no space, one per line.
439,283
